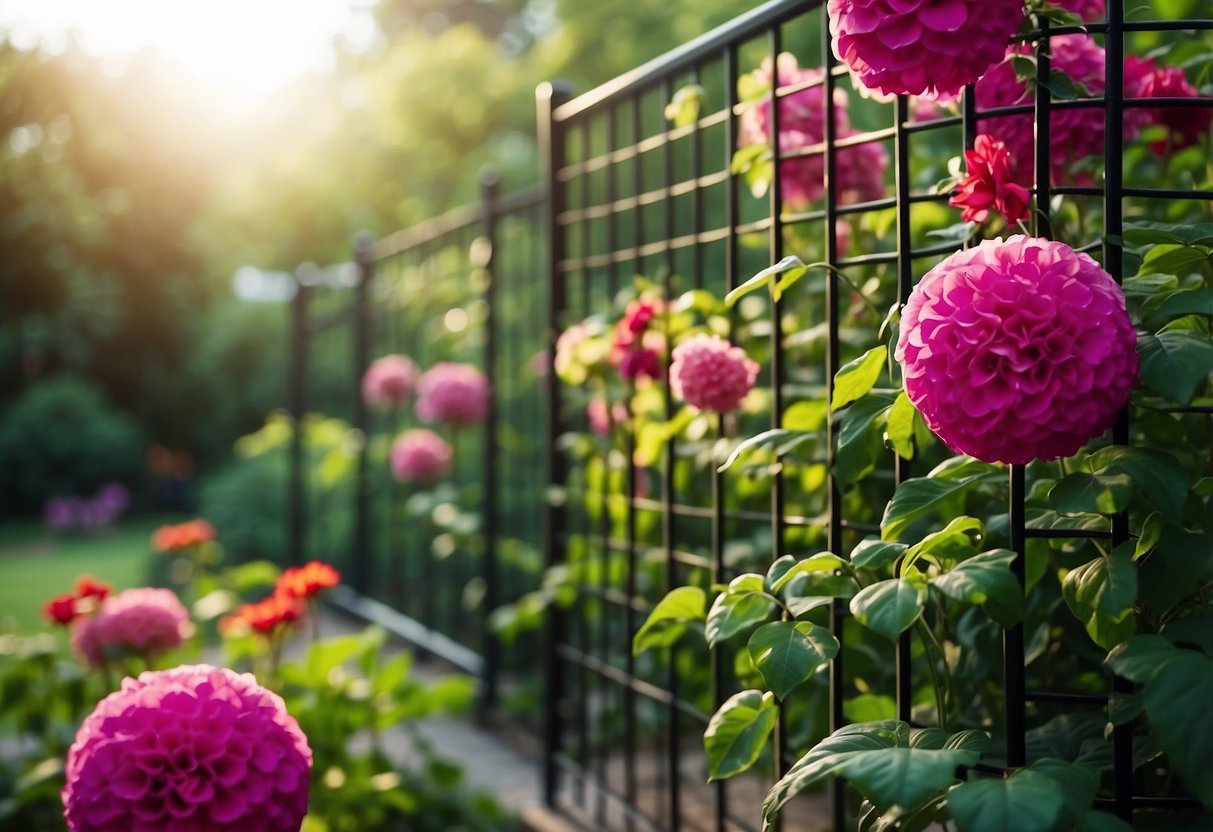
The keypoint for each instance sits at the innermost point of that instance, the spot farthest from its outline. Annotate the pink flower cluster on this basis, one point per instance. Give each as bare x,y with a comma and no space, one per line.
601,416
193,749
860,170
711,374
420,455
638,347
143,621
1185,126
921,46
389,381
452,394
1017,350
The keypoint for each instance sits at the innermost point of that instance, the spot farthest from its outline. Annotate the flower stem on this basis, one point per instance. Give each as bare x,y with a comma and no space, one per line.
942,692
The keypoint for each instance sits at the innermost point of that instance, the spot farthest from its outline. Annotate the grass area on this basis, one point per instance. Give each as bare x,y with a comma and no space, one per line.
35,565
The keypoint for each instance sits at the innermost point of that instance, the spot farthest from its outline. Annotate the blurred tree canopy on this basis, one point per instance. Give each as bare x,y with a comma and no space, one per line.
128,199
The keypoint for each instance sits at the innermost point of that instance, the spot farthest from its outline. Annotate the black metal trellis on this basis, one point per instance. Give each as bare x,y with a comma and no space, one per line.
592,772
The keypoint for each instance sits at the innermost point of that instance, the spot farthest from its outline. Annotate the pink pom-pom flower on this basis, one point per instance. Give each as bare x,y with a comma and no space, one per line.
452,394
1017,350
389,381
420,455
143,622
196,748
711,374
860,170
921,46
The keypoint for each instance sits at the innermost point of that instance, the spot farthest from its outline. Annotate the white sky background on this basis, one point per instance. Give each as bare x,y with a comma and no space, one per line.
244,48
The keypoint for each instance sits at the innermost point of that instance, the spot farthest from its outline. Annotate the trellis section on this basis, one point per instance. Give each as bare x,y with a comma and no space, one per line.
632,195
431,564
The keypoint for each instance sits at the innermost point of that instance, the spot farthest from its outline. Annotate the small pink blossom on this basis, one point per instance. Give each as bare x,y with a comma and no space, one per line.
1017,350
389,381
193,749
921,46
602,417
420,455
145,622
711,374
452,394
988,185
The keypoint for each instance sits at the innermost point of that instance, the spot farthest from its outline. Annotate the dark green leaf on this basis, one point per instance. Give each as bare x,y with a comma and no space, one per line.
1138,658
1179,260
1145,232
1177,701
916,497
1026,802
956,540
903,777
787,568
1177,304
1159,477
1101,594
787,653
876,554
1098,493
667,622
986,579
859,438
734,613
1093,821
1176,363
737,733
889,607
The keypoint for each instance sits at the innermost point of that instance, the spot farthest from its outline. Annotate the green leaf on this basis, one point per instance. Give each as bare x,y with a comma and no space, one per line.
956,540
736,612
1175,364
1146,232
871,553
859,439
747,156
1139,657
1177,304
1159,477
667,622
778,440
1179,260
888,607
1098,493
737,733
869,707
855,379
986,579
763,278
806,414
1177,701
903,777
900,429
683,109
826,757
1101,594
1093,821
787,567
787,653
1028,801
916,497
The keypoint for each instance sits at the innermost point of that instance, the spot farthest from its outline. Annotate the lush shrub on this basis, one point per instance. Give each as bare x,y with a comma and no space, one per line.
60,438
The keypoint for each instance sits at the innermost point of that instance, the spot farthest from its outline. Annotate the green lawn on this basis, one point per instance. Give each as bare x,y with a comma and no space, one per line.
35,565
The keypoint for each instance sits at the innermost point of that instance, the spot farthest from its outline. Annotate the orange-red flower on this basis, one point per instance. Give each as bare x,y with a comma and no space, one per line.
266,615
989,185
90,587
60,609
182,536
305,581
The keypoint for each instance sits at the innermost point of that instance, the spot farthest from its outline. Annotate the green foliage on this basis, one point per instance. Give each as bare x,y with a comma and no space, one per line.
62,438
737,732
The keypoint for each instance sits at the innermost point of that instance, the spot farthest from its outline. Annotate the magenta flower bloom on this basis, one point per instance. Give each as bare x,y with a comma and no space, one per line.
860,170
389,381
1185,126
195,748
452,394
420,455
1017,350
711,374
921,46
143,621
1088,10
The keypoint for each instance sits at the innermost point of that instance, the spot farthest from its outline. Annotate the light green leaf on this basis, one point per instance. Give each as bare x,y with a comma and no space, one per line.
855,379
784,570
764,277
667,622
956,540
1175,364
888,607
900,429
737,733
777,440
736,612
876,554
1179,260
1101,594
683,109
787,653
1028,801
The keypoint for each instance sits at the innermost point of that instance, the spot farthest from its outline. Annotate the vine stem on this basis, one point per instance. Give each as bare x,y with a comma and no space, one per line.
942,692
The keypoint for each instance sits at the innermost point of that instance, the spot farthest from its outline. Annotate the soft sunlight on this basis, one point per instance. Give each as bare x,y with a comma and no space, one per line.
239,48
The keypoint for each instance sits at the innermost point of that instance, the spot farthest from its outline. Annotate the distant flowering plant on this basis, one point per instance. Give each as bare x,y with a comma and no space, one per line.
711,374
921,46
269,616
452,394
420,455
309,580
65,608
197,748
1017,350
988,185
141,622
87,514
860,169
390,381
183,536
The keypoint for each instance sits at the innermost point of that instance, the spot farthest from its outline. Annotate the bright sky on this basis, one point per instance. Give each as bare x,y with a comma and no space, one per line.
241,47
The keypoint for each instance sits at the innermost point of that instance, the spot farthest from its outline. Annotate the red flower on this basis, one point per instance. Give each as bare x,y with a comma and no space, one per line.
640,361
89,587
265,616
182,536
989,184
61,609
305,581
